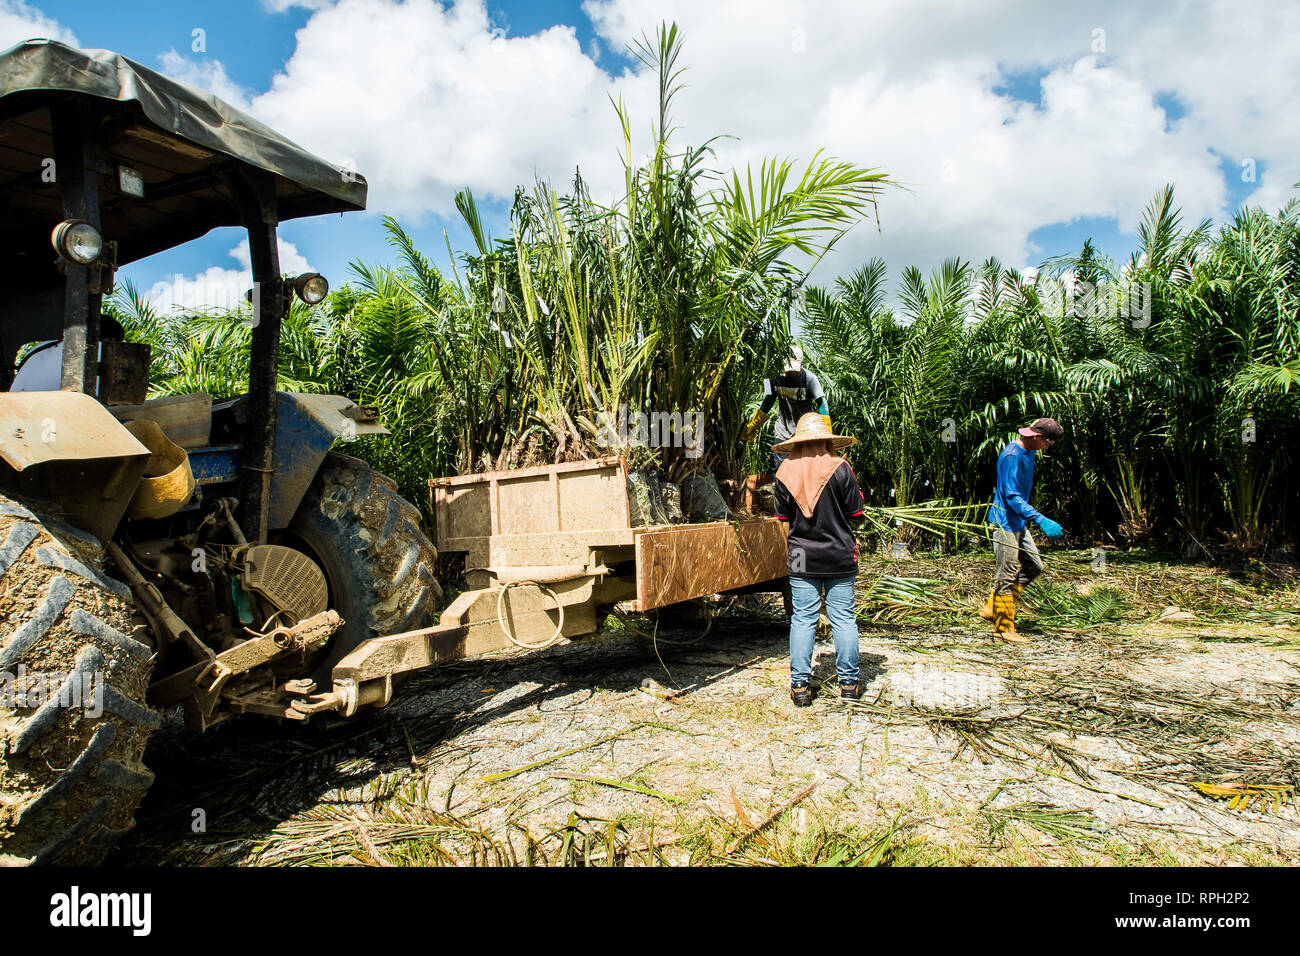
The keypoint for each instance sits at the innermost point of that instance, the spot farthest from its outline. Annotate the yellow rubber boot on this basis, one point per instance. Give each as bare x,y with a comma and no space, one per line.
986,611
1004,619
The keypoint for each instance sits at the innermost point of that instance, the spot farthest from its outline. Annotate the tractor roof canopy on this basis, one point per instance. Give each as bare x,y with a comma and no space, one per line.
186,145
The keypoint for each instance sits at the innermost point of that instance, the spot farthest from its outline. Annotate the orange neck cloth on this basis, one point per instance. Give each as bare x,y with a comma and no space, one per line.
805,474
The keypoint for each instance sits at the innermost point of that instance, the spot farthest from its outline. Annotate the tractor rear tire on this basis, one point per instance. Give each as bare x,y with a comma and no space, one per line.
380,566
72,740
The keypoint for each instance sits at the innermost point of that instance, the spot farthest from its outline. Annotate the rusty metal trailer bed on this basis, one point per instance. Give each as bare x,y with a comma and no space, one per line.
548,551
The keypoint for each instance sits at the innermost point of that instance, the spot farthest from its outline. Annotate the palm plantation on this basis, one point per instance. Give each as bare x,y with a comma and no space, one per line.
1173,371
1162,679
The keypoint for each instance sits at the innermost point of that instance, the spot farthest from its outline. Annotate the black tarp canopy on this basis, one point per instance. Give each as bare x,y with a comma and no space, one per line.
184,143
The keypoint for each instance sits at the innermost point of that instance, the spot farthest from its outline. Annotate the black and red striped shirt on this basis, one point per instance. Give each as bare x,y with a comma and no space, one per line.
823,546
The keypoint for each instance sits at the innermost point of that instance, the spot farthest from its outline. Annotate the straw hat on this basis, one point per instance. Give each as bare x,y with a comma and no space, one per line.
813,427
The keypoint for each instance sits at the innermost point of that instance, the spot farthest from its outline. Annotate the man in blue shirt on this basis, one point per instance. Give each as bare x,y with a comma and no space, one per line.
1014,552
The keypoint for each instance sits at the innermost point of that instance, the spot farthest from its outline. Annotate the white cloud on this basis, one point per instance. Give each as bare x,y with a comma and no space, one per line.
19,22
425,99
206,74
221,287
1235,68
910,88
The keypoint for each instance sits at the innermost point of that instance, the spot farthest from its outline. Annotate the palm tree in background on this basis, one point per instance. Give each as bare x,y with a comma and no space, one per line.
672,301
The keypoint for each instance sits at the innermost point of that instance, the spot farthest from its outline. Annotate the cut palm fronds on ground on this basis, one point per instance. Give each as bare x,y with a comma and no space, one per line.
894,598
1109,728
1054,821
756,829
793,836
1272,617
887,843
1059,606
506,774
617,785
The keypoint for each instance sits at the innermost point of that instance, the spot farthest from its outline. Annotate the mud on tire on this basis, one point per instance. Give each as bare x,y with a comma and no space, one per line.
380,565
71,770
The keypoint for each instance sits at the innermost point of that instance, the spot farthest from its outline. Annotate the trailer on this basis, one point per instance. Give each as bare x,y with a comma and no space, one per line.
548,552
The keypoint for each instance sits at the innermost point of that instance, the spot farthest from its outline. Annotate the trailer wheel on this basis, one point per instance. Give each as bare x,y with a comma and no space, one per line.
73,677
379,564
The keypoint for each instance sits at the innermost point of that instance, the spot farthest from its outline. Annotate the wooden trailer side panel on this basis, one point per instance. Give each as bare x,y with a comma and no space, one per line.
682,562
548,515
553,521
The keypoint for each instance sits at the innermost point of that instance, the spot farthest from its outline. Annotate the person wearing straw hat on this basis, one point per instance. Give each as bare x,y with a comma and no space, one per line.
795,392
818,494
1015,556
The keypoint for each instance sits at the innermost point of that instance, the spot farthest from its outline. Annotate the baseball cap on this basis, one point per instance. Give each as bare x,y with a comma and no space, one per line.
794,362
1046,427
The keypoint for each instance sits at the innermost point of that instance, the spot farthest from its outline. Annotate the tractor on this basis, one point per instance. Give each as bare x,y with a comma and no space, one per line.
214,555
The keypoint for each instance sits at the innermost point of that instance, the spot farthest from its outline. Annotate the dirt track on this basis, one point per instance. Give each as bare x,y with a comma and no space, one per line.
1077,748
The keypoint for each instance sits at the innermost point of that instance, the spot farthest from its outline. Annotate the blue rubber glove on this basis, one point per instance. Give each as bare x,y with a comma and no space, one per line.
1051,528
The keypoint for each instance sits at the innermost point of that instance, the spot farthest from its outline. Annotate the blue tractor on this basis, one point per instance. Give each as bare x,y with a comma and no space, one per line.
216,556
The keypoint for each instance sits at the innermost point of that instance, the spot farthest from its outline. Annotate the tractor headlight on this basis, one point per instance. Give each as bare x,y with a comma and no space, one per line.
78,241
311,287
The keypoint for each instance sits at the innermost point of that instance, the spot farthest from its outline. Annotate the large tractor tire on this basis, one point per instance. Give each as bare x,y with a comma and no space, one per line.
380,566
71,770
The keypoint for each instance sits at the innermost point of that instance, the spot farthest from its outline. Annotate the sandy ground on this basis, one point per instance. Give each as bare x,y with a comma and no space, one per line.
1081,747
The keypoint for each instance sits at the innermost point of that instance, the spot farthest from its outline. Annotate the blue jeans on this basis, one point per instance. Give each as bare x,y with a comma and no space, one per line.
806,595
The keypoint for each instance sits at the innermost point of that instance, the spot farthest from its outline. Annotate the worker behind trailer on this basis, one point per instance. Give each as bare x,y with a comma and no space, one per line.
797,392
818,494
1015,556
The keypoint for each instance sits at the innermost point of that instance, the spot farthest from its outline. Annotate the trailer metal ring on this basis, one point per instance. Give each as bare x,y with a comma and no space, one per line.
559,628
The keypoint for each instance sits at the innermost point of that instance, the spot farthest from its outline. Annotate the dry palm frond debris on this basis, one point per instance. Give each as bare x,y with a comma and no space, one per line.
1182,737
1101,726
1082,590
1242,796
1052,820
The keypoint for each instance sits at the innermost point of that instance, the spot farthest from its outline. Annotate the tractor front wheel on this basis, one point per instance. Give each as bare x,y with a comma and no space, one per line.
378,563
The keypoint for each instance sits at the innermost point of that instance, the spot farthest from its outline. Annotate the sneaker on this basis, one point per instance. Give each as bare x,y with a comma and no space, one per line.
802,696
850,691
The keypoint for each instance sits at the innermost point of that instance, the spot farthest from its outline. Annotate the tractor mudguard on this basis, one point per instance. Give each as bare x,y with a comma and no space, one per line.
306,425
67,452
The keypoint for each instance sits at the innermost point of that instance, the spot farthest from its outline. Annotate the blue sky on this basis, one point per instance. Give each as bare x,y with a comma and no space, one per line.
253,44
1018,132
